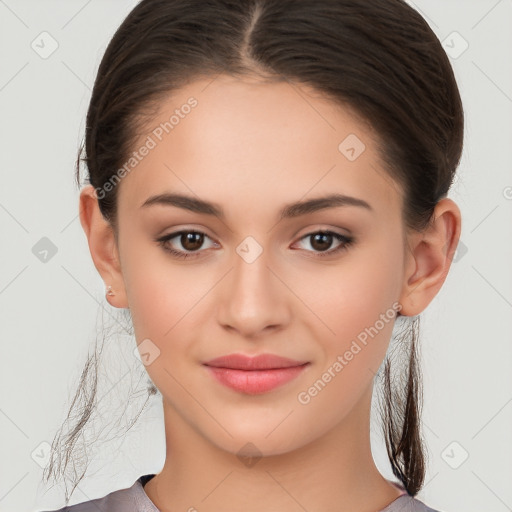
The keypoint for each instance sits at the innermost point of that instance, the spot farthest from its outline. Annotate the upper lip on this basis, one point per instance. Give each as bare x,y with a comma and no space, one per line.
260,362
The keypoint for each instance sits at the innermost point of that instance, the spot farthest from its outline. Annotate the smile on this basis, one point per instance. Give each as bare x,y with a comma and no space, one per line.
255,381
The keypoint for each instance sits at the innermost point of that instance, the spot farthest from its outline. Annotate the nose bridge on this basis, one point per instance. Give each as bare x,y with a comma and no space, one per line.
251,267
254,296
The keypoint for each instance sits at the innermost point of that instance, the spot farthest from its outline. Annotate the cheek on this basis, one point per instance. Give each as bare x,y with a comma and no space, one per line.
354,293
164,305
354,307
360,310
168,303
159,292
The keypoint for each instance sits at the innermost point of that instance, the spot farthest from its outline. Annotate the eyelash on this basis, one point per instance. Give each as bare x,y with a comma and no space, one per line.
347,242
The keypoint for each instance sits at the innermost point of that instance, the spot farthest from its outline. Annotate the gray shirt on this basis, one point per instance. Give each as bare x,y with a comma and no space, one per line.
134,499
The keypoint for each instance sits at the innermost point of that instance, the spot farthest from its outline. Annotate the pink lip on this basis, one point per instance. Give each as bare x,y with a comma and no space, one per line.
254,375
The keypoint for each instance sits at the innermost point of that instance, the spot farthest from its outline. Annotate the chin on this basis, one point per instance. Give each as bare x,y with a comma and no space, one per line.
264,441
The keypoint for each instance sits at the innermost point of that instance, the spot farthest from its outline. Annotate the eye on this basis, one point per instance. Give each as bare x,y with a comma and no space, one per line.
192,241
321,240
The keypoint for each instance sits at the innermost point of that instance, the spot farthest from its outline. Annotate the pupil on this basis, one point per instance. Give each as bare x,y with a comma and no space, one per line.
189,243
322,236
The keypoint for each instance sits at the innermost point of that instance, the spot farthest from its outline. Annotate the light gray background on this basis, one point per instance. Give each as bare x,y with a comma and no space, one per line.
49,309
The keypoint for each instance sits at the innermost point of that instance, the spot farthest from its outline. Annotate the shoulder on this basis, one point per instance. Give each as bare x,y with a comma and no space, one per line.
121,500
130,499
407,503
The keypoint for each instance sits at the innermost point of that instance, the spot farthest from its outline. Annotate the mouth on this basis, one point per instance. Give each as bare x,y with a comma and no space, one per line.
254,375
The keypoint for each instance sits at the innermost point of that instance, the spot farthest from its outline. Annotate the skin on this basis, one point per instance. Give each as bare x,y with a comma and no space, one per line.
252,147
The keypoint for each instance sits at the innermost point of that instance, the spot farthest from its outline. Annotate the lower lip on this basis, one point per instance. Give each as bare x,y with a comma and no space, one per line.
254,382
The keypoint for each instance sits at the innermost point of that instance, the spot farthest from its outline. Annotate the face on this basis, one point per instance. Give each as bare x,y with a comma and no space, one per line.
315,285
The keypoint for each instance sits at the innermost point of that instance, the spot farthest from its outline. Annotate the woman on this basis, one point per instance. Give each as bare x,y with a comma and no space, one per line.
267,193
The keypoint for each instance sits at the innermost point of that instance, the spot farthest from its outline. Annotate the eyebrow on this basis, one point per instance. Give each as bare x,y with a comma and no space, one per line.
291,210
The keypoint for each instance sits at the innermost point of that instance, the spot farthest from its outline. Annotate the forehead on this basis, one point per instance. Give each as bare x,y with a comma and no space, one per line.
246,145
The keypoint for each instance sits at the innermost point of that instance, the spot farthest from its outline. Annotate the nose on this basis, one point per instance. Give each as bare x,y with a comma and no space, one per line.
254,298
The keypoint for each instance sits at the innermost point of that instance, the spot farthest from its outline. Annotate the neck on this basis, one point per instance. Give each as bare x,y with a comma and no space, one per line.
333,473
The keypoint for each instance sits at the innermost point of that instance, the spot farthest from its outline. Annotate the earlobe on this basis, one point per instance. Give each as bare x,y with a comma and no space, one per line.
103,246
429,258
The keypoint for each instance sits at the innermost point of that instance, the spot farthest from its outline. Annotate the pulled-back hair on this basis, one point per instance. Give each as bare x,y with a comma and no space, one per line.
379,58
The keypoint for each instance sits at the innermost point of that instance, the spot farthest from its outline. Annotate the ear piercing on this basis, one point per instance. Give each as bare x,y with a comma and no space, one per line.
109,290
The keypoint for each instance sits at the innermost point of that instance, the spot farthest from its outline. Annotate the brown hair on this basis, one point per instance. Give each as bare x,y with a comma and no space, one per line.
379,58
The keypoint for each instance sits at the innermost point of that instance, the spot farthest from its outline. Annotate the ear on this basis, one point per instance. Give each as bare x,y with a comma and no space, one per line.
428,258
103,246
